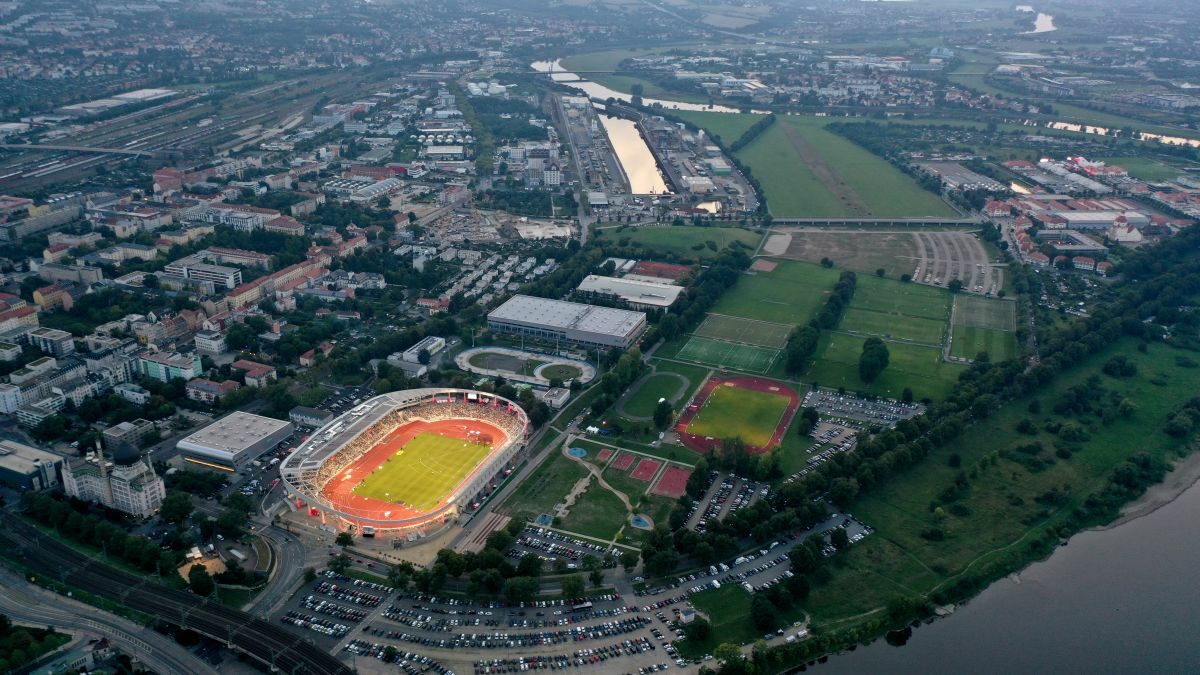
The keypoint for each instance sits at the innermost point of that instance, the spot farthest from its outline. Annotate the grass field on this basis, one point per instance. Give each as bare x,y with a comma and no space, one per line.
1144,168
789,295
895,297
915,366
596,513
421,473
545,487
728,609
645,399
808,171
747,358
731,411
969,341
861,251
685,241
926,331
973,310
748,331
560,372
1000,514
728,127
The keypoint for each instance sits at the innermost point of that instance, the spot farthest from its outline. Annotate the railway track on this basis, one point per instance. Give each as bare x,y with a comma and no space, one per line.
272,645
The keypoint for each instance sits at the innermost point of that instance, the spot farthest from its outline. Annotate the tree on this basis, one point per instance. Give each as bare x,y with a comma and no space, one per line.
310,575
176,507
573,587
873,361
399,576
698,630
200,582
231,522
662,414
423,357
530,565
520,589
344,539
762,612
629,560
880,272
389,654
842,491
596,576
728,653
955,285
339,563
838,538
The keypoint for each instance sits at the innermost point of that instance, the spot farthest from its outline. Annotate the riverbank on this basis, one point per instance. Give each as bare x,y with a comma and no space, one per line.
1185,473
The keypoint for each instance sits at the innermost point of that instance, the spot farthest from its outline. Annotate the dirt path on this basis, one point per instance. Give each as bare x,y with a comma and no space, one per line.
836,186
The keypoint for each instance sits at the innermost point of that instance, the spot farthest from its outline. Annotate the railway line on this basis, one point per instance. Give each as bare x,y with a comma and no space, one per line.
272,645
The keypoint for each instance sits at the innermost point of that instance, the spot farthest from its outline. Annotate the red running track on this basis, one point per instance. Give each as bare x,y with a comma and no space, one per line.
705,445
339,490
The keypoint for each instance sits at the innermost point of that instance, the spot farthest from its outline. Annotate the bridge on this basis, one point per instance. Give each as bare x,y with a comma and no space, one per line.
75,148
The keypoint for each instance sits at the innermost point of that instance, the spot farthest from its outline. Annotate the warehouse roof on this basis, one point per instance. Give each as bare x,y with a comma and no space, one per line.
568,315
233,433
632,290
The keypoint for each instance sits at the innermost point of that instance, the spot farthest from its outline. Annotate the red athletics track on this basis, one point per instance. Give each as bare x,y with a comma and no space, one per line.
340,490
703,444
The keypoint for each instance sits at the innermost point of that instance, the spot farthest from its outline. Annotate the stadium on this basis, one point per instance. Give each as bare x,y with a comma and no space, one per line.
407,461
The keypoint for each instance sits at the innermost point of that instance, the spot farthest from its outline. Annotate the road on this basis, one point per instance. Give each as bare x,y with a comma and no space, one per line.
28,604
290,558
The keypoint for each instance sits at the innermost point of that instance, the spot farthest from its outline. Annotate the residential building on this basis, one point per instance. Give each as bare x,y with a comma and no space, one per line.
258,375
211,343
56,343
208,391
166,367
132,393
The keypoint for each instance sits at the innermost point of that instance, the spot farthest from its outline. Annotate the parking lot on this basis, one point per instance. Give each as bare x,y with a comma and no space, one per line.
885,412
728,494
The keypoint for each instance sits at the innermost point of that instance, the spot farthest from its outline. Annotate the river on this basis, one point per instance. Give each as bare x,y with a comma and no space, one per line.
1121,600
1043,23
636,159
599,91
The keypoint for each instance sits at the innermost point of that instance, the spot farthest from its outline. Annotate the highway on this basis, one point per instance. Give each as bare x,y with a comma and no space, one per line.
270,644
28,604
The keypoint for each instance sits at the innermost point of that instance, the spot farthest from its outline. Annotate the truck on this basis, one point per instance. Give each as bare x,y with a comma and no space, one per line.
241,557
274,461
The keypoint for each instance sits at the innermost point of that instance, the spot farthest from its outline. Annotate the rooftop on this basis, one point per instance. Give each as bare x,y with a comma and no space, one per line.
234,432
634,291
568,315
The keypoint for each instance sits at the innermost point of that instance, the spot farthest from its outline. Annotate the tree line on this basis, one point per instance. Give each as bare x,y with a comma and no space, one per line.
802,344
757,129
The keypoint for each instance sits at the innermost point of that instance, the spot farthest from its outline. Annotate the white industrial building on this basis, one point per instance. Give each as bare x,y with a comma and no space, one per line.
636,293
130,488
233,441
558,320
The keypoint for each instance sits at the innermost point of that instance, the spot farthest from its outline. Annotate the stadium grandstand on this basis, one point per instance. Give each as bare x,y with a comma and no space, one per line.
407,461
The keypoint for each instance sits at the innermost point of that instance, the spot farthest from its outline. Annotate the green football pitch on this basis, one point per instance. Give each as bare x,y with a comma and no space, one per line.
732,411
748,358
420,474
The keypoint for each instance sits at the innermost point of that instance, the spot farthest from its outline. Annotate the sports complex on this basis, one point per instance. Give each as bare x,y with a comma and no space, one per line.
406,461
754,409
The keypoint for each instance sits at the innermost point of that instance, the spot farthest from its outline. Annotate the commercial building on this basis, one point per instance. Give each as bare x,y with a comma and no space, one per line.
637,294
432,345
130,488
166,367
23,467
127,436
572,322
233,441
309,417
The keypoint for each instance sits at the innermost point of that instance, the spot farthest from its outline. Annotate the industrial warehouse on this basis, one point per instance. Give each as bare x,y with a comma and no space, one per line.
555,320
233,441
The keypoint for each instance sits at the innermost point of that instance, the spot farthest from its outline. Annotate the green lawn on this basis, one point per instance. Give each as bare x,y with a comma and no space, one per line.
981,312
746,358
596,513
545,487
808,171
560,372
897,297
1144,168
926,331
622,480
731,411
728,609
684,241
789,295
728,126
970,340
920,368
424,471
999,514
645,399
748,331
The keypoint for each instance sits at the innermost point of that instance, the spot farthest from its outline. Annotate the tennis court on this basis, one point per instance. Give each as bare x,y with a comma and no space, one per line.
746,331
747,358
